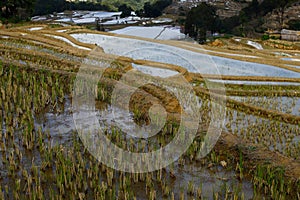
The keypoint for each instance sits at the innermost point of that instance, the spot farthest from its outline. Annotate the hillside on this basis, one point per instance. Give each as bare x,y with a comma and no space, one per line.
251,18
271,20
135,4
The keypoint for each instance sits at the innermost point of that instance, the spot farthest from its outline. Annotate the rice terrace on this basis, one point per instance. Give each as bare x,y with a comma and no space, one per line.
230,108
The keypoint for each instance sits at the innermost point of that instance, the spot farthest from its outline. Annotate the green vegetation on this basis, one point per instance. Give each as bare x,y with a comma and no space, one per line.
199,20
294,24
248,22
265,37
134,4
155,9
40,162
271,181
145,7
15,10
48,165
126,10
43,7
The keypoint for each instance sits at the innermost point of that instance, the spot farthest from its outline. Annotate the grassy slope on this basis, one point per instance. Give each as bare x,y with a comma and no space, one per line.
135,4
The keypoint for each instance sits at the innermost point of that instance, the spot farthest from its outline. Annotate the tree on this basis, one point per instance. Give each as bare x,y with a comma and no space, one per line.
43,7
283,4
294,24
12,8
253,9
201,19
150,10
250,19
126,10
155,9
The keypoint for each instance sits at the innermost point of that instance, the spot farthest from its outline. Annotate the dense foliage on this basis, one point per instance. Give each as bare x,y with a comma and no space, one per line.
134,4
23,9
125,9
155,9
201,19
294,24
43,7
16,9
250,18
256,10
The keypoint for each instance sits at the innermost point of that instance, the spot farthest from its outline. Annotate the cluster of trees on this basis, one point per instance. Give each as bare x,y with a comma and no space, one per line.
43,7
257,10
134,4
125,9
23,9
154,9
199,19
16,9
294,24
203,18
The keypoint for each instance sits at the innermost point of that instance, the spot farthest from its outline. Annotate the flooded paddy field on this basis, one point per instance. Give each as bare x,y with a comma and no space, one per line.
40,145
43,155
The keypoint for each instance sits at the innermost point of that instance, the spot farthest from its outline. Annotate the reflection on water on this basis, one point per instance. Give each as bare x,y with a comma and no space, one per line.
37,126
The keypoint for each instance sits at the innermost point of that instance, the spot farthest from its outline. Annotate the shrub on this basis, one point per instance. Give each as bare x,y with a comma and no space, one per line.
265,37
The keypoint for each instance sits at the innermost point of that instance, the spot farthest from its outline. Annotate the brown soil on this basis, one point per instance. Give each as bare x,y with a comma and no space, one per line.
255,155
217,43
